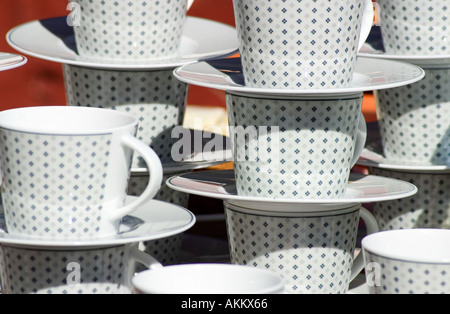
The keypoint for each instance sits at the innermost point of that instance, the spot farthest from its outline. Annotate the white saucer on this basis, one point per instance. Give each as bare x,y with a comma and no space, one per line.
370,158
9,61
370,74
152,221
53,40
429,62
222,185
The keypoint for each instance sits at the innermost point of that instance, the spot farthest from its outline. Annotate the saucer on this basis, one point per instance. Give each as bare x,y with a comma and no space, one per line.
371,158
9,61
53,40
370,75
222,185
429,62
152,221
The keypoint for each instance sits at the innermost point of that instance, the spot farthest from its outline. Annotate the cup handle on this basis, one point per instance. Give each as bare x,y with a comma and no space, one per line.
147,260
367,23
372,227
155,172
361,139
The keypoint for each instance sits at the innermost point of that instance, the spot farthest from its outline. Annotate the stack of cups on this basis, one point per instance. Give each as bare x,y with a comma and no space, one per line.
137,32
298,148
415,134
65,176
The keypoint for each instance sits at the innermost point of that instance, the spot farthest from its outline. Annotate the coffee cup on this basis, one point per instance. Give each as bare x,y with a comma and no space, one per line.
312,248
414,261
414,120
46,270
415,27
66,170
301,44
155,98
429,208
128,30
295,148
208,279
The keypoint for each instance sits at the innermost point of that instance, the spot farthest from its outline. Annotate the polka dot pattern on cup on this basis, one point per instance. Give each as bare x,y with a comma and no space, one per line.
130,30
313,254
298,44
414,120
73,172
309,157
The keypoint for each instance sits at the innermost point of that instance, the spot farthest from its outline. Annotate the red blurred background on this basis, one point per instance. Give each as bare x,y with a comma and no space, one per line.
41,82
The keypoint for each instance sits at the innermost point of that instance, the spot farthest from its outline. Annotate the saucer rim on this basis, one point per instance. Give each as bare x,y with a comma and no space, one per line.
14,65
392,165
140,66
429,62
236,88
116,240
228,197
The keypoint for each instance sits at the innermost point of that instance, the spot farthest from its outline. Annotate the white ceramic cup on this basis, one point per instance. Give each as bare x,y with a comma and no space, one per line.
156,98
46,270
208,279
414,120
312,248
295,44
66,169
429,208
415,261
128,30
295,148
415,27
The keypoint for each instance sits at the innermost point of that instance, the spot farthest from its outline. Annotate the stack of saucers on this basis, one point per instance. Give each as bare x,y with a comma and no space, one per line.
121,55
413,141
294,104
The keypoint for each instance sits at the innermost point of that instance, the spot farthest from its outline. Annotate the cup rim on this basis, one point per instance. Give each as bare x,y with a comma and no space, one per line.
350,96
410,245
21,120
276,282
291,210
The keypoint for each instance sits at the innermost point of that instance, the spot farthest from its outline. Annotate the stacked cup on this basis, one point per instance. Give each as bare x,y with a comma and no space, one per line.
132,33
414,123
65,174
414,120
298,148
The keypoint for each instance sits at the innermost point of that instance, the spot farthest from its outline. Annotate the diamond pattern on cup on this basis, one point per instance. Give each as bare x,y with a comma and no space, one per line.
63,176
415,27
36,271
414,119
130,30
429,208
156,98
311,155
298,44
403,277
313,254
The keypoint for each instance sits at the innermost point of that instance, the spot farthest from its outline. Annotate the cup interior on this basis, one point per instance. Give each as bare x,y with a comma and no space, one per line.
64,120
208,279
412,245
